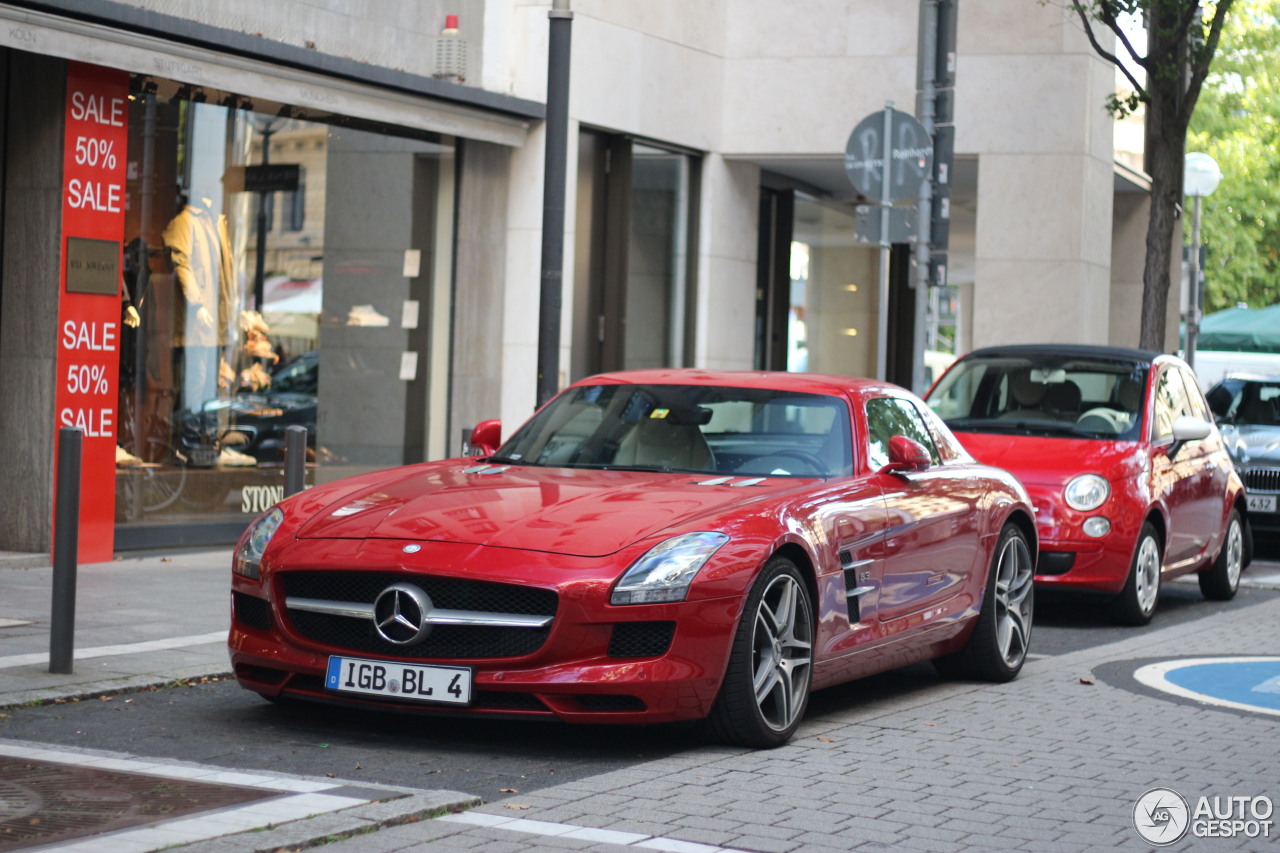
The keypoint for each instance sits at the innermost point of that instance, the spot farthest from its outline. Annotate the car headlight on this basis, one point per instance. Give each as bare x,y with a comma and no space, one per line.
1086,492
248,558
666,570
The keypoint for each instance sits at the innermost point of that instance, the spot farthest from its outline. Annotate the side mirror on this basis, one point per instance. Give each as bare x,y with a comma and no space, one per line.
1186,428
485,439
905,456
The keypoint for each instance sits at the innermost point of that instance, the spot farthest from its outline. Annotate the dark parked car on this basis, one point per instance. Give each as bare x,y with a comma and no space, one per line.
1248,413
253,423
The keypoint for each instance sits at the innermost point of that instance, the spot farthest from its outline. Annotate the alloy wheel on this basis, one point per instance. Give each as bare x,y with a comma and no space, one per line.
1014,582
781,652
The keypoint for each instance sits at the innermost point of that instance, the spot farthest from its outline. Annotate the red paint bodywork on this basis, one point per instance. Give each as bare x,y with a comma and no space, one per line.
927,537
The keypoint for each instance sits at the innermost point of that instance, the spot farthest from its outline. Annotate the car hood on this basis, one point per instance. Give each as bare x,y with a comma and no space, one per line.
1036,460
575,512
1254,443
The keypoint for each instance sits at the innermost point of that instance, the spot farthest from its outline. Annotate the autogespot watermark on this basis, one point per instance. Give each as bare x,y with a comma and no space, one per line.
1162,816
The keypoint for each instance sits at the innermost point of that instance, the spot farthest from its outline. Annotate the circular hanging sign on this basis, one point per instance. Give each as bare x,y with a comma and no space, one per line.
910,156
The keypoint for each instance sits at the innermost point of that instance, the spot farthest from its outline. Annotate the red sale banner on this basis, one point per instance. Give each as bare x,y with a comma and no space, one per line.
89,308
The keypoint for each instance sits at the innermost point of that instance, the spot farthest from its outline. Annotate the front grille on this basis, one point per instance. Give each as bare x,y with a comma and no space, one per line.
641,639
251,611
1262,479
453,642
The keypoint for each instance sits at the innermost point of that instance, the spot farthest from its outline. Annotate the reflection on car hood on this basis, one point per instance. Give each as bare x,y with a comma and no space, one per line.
1049,461
558,510
1253,443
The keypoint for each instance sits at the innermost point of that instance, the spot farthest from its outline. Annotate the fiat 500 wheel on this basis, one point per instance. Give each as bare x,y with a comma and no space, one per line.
1136,603
997,648
766,686
1220,582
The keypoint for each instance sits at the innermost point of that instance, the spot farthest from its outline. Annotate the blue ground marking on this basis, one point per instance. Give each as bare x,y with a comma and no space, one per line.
1248,682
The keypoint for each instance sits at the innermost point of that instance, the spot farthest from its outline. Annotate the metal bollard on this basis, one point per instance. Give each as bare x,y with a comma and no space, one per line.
66,543
295,459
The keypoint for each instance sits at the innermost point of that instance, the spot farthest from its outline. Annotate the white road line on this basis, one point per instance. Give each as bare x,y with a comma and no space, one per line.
1153,675
296,799
121,649
583,833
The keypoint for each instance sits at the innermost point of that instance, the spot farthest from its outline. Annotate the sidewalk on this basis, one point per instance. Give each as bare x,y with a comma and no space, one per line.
1052,761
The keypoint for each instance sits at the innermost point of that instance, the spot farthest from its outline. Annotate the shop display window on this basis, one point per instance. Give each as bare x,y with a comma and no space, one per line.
279,269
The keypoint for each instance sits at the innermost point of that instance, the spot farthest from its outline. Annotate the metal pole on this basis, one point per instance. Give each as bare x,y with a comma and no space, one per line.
553,200
924,210
295,459
882,311
66,543
264,209
1193,297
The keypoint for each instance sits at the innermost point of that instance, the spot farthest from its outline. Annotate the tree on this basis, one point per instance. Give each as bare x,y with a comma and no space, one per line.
1182,36
1238,123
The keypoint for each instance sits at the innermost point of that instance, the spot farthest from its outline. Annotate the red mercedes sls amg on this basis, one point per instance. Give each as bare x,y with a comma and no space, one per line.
650,546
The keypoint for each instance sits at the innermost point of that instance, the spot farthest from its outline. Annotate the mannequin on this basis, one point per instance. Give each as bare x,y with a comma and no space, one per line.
200,251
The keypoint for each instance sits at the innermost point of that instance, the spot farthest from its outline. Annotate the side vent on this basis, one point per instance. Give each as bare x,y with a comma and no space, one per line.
852,590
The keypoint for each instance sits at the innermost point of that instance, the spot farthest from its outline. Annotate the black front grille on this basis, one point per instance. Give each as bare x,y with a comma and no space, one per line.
251,611
641,639
445,641
1262,479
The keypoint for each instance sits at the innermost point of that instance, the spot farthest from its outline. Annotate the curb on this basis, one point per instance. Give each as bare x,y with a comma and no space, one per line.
339,826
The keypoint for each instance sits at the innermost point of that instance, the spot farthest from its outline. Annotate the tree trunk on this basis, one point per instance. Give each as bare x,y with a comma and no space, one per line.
1165,161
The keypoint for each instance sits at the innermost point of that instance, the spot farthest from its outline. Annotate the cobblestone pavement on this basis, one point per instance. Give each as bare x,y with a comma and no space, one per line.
1052,761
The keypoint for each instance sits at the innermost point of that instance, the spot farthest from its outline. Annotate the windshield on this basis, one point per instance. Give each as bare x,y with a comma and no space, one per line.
709,429
1074,397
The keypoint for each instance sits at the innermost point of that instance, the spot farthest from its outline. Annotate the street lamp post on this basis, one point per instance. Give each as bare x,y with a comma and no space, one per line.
1200,177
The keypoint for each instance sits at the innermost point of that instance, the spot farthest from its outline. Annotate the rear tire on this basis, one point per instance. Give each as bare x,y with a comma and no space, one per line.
1136,603
766,686
997,648
1221,581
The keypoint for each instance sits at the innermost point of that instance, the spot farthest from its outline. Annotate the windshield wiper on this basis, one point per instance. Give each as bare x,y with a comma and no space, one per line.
506,460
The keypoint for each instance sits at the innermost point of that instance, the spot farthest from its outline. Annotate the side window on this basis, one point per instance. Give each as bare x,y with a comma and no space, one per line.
1171,403
1195,399
890,416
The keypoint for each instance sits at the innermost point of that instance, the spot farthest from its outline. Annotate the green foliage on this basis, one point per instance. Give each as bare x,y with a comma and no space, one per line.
1237,122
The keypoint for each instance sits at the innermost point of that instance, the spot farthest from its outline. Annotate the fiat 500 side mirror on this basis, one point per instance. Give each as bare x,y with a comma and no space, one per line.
1187,428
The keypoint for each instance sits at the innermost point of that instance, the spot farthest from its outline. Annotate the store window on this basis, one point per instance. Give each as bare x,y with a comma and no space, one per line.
832,308
633,270
280,268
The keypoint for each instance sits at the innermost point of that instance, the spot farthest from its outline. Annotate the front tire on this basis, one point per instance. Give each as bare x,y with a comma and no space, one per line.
766,686
1136,603
1222,580
997,648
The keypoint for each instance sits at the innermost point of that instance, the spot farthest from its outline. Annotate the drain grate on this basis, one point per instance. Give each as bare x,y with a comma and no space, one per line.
44,803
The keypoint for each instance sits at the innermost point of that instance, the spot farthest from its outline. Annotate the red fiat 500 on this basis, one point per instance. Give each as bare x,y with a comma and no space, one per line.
650,546
1118,450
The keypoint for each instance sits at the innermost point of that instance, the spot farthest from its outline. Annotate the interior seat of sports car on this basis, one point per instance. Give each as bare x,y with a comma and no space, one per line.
661,442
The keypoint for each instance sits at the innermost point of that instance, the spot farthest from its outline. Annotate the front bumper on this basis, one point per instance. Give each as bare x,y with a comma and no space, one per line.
595,663
1068,557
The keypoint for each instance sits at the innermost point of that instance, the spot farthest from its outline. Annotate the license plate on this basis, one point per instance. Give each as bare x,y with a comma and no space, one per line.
1262,503
392,680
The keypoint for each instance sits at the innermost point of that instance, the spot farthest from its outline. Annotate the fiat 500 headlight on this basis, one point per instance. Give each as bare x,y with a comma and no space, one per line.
666,570
1087,492
248,558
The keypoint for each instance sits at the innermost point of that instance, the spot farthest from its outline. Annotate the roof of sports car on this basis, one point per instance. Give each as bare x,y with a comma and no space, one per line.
811,383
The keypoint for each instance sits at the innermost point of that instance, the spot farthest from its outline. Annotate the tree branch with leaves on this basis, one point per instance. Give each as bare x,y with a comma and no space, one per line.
1182,38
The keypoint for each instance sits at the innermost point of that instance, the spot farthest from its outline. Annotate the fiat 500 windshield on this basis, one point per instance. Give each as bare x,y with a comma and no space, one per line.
738,431
1054,396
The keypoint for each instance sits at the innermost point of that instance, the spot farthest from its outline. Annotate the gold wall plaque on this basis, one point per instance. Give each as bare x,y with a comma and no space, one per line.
93,266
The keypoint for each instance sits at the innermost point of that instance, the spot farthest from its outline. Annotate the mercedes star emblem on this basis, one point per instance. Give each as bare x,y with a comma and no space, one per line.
400,614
